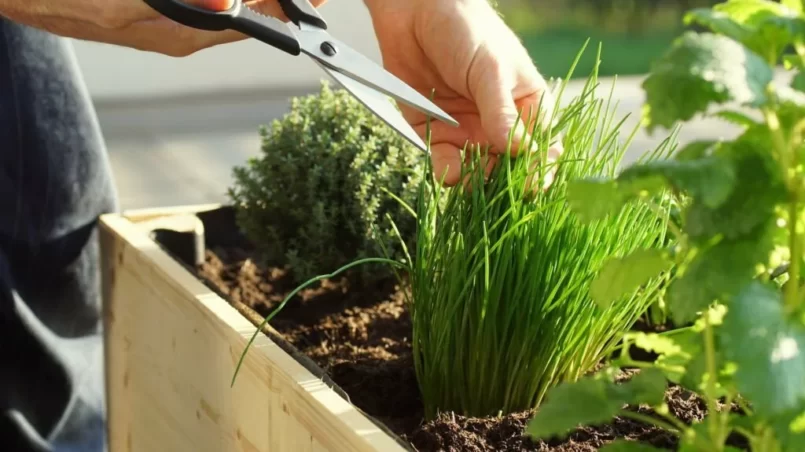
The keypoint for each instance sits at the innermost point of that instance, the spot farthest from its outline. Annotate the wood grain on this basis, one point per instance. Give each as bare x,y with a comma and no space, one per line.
171,348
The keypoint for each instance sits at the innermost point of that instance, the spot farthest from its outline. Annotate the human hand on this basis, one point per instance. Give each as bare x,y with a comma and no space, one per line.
481,73
130,23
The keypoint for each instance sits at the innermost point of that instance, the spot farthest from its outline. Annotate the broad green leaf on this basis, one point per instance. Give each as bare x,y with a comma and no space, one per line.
718,272
674,351
591,401
704,69
768,348
647,387
593,199
710,179
798,83
695,150
751,202
622,445
770,26
586,401
789,429
719,22
736,117
623,275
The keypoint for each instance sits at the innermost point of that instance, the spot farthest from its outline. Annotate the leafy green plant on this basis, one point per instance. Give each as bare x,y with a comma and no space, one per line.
741,341
316,198
500,281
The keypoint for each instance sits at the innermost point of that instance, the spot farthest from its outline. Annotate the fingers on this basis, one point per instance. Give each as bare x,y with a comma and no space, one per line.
446,158
492,86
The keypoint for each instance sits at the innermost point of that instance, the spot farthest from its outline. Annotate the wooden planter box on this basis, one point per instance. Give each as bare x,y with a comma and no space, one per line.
172,346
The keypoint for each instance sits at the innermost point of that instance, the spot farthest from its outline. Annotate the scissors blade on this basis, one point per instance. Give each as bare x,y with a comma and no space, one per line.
351,64
378,104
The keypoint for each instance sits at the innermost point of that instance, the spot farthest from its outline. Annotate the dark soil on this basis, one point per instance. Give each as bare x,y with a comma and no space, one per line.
360,336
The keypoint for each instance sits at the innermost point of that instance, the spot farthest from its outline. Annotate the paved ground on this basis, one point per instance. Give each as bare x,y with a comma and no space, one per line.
181,151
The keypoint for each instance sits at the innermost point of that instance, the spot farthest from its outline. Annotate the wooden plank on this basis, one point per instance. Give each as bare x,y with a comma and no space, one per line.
172,347
147,214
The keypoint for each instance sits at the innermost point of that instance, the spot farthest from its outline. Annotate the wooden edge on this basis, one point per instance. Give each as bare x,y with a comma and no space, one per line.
147,214
349,421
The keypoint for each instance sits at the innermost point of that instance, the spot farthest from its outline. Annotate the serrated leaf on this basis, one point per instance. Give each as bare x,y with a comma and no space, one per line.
647,387
622,445
591,400
716,273
719,22
656,343
695,150
593,199
798,83
751,202
704,69
770,26
768,348
586,401
736,117
710,178
623,275
674,362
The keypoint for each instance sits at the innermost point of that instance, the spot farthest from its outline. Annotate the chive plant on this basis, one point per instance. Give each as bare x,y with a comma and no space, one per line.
501,278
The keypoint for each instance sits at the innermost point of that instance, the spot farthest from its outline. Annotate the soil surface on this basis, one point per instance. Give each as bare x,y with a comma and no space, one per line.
360,335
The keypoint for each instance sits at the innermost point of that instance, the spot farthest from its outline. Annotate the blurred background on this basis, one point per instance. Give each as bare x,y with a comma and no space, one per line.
176,126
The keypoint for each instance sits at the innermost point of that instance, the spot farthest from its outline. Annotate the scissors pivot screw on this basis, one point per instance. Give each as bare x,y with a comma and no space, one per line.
328,48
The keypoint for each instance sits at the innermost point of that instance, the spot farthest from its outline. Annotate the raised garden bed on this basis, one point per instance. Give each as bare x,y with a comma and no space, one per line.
184,293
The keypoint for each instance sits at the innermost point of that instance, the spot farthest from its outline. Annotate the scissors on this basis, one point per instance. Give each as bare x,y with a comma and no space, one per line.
360,76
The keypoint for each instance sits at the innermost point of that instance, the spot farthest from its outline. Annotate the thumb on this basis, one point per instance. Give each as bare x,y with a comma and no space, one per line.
494,96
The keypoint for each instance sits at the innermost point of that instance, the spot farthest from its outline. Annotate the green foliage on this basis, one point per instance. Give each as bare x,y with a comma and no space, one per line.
742,323
317,196
501,280
594,400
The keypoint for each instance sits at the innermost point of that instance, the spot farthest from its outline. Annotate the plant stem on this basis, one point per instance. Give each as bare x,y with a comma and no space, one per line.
649,420
792,287
786,154
675,230
714,424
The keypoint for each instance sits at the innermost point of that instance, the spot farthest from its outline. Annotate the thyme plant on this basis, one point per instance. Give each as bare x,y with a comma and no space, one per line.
316,196
741,319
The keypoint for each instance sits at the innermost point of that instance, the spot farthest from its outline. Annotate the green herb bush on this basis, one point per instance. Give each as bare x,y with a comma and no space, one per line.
317,197
503,274
740,342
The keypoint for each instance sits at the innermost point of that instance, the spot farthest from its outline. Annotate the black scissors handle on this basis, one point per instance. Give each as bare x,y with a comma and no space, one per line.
243,19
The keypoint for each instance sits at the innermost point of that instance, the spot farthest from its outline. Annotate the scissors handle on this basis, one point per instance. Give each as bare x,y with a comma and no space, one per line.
303,10
239,17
